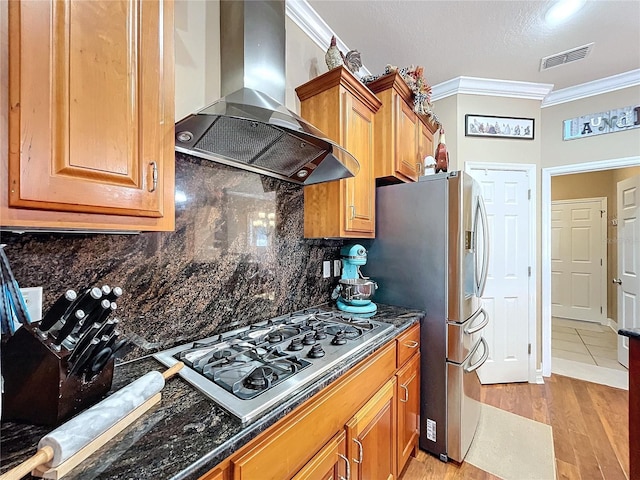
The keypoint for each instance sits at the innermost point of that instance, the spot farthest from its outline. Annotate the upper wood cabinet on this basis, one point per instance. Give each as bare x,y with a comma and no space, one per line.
343,108
91,116
403,138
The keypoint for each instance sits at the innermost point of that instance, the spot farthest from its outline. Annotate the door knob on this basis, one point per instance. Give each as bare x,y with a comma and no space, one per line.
617,280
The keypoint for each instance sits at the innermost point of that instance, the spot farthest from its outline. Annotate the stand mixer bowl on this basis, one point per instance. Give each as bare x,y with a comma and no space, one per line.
357,291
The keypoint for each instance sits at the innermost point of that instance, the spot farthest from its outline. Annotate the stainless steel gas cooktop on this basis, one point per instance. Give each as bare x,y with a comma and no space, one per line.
249,370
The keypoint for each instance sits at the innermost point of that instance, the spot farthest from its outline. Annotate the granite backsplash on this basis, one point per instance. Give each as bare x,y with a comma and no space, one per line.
237,256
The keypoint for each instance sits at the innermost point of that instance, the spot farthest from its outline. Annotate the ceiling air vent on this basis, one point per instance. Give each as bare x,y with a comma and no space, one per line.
565,57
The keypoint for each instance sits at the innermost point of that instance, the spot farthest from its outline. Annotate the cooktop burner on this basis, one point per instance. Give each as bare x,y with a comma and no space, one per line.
249,370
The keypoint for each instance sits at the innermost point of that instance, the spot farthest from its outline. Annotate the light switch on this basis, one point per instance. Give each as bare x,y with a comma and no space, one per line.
336,268
326,269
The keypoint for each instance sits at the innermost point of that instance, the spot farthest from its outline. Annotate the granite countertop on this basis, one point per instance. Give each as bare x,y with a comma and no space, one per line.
186,434
630,332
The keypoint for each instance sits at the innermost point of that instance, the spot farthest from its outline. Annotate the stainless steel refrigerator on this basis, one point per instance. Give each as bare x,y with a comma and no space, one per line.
431,252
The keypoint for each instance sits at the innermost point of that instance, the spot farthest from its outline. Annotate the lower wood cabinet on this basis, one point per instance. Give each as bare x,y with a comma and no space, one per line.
364,426
330,463
408,424
371,437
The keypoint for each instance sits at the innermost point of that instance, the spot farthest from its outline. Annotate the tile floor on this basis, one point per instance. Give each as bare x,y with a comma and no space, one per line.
585,342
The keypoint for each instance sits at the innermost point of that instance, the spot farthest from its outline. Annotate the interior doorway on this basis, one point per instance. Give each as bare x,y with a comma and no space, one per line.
546,237
579,259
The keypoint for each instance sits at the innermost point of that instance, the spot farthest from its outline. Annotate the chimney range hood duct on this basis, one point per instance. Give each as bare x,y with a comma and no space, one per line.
250,128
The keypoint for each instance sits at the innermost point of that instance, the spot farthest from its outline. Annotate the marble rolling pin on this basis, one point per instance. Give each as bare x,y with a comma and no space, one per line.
76,435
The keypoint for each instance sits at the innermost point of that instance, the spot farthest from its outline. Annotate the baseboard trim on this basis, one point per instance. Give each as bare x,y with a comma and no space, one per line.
613,325
539,378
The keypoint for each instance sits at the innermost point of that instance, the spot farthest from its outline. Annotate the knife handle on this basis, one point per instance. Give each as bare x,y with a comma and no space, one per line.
80,363
89,300
68,327
116,292
57,310
108,327
83,341
101,313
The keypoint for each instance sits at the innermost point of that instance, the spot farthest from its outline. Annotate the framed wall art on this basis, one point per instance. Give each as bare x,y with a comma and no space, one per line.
499,127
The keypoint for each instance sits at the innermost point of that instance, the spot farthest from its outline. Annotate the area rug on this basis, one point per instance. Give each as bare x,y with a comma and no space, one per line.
512,447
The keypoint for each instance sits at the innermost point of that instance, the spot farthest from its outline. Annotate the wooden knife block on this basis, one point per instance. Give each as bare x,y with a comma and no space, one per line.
37,387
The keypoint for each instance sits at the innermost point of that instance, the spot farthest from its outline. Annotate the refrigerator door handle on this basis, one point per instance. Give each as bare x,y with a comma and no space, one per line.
485,355
471,329
485,250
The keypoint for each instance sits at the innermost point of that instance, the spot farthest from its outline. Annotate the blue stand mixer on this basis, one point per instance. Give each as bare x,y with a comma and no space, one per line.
354,291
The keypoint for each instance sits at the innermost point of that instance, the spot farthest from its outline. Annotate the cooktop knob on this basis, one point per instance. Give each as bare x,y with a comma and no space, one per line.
339,339
309,338
295,345
316,351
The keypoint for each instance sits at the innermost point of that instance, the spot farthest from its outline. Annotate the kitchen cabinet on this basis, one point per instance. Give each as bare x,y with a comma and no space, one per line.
365,424
330,463
402,137
287,447
217,474
408,381
408,395
344,109
371,437
90,118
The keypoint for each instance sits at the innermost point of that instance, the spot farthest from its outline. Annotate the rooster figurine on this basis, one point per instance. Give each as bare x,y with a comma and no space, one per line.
352,61
441,154
333,57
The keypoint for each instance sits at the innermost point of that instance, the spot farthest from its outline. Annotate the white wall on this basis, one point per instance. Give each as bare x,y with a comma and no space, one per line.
197,54
556,152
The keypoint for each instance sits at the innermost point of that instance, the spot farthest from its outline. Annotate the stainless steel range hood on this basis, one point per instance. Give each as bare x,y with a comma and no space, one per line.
250,128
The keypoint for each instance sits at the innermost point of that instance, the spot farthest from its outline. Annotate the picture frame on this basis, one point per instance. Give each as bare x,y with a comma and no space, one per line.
498,127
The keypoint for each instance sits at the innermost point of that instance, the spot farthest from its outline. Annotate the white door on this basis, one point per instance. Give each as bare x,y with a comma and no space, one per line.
628,261
579,259
506,295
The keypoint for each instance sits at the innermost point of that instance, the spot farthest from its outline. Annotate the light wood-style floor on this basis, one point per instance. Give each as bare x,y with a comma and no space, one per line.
590,430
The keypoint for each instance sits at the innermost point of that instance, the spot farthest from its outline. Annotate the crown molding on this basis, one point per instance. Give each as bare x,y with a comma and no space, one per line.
488,86
596,87
312,24
305,17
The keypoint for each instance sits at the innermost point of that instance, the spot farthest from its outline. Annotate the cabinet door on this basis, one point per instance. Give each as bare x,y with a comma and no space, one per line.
89,126
371,437
408,409
407,156
214,475
359,190
425,142
330,463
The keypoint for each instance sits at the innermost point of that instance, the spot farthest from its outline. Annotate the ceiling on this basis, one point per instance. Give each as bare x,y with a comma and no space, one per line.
500,40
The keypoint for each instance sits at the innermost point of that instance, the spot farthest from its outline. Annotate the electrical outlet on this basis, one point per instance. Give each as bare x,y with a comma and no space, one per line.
336,268
326,269
33,299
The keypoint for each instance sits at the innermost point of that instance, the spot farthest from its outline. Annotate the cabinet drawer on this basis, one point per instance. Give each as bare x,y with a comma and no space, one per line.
407,344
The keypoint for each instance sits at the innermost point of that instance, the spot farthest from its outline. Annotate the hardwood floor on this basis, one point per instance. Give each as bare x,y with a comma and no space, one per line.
590,430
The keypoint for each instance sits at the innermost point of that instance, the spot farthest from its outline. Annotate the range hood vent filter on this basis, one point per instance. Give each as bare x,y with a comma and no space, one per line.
257,144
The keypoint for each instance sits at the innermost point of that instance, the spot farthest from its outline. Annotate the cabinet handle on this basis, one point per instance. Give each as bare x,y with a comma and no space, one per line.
419,168
411,344
346,460
154,177
361,453
353,211
406,394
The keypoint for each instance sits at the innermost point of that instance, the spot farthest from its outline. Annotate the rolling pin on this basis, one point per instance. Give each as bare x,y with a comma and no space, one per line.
72,436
